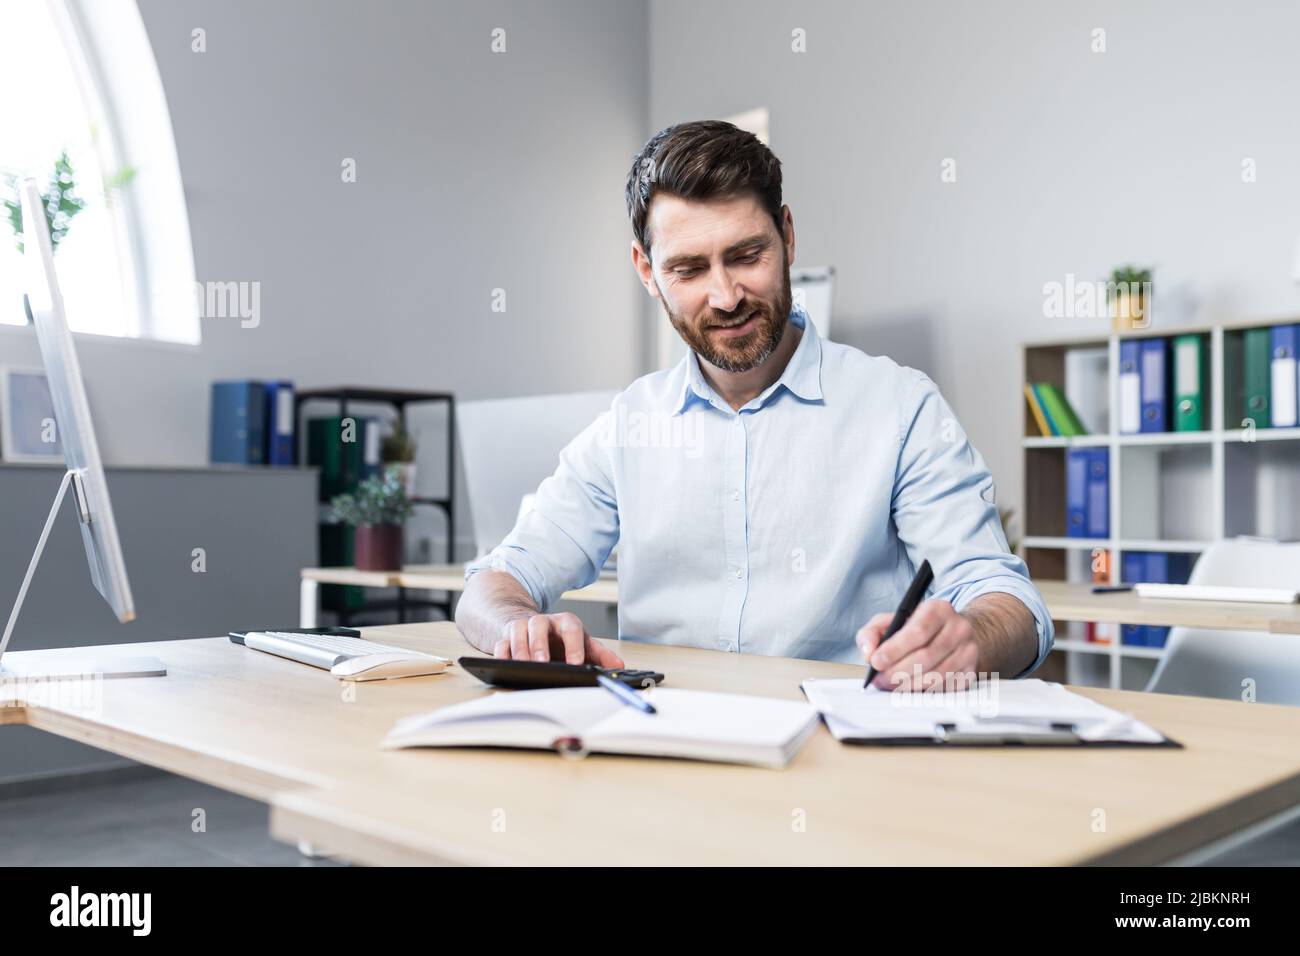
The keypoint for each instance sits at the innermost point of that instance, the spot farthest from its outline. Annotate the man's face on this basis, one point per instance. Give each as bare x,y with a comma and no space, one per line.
722,271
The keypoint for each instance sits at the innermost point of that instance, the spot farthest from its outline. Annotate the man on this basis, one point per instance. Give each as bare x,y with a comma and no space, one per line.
780,490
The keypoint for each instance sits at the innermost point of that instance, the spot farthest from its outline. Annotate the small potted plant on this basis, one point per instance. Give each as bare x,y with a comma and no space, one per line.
376,511
1129,289
398,449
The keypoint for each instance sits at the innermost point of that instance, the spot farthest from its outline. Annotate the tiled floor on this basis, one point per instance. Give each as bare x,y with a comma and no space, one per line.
1281,847
149,821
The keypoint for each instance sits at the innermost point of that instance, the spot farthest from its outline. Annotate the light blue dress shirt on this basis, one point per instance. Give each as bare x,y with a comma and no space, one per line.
777,529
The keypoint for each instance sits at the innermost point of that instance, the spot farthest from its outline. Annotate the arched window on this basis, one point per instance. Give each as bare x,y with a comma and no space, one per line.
81,82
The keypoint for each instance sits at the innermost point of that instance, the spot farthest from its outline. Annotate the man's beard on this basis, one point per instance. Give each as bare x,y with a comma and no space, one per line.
738,353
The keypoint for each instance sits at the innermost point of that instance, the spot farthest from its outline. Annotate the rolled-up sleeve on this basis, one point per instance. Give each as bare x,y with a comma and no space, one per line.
945,510
564,541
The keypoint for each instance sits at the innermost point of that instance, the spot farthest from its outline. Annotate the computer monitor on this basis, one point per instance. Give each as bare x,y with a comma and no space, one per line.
813,288
76,433
510,446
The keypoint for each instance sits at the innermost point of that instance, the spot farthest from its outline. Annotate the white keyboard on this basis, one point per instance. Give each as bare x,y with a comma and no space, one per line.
1211,592
350,658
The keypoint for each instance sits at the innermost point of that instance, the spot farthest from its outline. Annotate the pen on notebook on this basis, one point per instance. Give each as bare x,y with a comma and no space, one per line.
626,694
915,591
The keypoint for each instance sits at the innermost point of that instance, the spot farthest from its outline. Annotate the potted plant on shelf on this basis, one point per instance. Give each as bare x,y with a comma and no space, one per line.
376,510
399,450
1129,289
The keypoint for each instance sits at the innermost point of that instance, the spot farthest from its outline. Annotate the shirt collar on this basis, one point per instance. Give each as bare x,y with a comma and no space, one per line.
801,377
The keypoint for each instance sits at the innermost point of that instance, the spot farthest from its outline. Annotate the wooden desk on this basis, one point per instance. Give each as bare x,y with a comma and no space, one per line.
1076,602
451,577
426,577
1065,601
294,737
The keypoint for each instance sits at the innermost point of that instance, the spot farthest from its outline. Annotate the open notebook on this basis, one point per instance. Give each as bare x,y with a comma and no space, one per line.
729,728
994,712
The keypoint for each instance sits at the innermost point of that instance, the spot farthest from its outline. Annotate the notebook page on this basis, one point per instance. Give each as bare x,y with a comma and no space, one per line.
693,723
571,710
990,707
851,711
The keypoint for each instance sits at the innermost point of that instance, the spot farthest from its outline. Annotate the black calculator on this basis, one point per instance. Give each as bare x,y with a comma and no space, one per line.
532,675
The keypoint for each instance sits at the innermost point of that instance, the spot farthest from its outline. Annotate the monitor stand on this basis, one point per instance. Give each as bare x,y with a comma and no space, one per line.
58,665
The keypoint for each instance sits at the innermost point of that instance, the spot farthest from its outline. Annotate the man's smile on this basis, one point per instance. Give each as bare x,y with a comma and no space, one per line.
740,326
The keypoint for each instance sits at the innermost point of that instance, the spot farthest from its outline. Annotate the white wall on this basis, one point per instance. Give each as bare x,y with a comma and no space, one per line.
1067,162
479,171
475,171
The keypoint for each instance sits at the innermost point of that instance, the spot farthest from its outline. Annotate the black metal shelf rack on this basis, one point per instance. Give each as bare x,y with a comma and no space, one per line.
399,399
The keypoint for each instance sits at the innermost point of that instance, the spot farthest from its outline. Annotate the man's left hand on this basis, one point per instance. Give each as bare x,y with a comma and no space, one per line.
935,650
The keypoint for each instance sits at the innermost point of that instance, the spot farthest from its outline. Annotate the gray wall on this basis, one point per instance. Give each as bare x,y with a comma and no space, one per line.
479,171
475,171
251,576
1067,162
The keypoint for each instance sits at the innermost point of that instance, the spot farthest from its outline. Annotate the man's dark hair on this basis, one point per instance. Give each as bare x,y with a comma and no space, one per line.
704,159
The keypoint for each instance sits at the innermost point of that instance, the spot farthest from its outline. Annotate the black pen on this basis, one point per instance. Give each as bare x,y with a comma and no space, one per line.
915,591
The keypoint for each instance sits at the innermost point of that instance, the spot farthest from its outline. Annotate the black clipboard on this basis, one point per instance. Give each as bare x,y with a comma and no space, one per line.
946,735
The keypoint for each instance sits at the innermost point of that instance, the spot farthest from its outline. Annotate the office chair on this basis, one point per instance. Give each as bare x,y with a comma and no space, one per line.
1220,663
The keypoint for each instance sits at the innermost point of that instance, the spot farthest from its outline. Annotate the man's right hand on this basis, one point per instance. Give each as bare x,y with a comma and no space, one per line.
560,637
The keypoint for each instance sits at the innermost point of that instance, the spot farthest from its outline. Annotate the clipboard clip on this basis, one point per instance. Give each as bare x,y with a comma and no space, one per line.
1055,733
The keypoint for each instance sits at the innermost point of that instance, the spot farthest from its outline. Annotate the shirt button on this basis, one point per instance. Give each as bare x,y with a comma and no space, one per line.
735,495
740,573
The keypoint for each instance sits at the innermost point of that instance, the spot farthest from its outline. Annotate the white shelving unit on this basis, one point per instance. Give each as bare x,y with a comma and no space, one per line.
1169,491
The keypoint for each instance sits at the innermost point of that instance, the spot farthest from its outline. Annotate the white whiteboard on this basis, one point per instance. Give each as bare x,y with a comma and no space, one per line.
813,288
